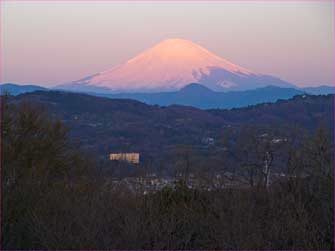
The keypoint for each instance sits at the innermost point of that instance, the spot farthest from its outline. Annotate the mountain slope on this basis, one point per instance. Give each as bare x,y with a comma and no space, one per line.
105,125
201,97
14,89
320,90
307,111
170,66
195,95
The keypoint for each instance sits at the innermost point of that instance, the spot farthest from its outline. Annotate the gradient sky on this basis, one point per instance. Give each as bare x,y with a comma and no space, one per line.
55,42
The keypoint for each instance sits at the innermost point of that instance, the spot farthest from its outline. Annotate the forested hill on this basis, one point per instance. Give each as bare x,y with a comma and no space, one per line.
104,125
306,111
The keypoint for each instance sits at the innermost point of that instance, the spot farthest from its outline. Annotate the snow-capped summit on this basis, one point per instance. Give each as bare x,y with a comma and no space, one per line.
171,65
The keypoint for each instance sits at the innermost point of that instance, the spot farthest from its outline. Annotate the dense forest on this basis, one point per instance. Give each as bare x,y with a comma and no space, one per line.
56,193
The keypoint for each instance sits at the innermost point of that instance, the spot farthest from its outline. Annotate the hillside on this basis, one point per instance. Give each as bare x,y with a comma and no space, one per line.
201,97
14,89
104,125
194,94
306,111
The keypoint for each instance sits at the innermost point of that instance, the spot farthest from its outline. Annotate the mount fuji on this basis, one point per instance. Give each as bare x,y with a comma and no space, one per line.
171,65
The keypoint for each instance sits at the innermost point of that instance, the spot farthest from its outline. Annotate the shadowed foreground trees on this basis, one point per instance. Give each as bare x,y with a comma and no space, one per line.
36,159
53,199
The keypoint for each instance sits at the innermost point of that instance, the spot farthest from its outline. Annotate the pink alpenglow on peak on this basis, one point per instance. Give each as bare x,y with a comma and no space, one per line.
171,65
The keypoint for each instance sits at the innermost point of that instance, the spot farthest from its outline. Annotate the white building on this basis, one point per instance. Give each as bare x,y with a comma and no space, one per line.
133,158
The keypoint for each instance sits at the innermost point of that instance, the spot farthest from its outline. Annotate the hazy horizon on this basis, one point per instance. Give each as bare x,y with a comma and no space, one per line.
56,42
